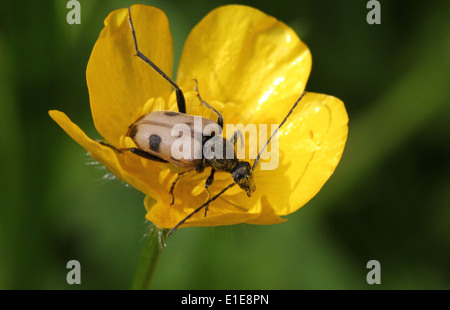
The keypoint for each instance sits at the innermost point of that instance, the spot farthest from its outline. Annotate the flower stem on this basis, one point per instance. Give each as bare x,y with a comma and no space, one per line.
153,246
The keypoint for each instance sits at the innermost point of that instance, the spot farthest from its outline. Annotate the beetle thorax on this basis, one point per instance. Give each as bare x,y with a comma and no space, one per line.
218,153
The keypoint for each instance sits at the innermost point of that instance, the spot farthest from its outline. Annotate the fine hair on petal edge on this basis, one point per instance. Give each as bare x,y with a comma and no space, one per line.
158,234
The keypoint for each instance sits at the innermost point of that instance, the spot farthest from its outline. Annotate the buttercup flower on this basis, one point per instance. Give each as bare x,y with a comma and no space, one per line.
250,67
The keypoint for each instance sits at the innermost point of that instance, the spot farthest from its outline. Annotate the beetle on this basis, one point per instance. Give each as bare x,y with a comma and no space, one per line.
152,135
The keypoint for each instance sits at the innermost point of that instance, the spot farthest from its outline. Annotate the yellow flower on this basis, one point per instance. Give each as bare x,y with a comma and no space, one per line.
249,66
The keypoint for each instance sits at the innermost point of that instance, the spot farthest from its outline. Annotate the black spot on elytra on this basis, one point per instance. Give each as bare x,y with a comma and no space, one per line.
170,113
154,142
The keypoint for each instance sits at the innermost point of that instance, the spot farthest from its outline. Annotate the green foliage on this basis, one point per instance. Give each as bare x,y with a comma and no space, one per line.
388,199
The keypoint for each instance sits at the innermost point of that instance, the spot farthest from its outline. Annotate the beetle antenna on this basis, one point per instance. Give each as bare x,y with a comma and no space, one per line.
199,208
180,97
276,130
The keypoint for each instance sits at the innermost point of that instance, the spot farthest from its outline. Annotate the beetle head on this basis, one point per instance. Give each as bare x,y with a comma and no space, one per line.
243,176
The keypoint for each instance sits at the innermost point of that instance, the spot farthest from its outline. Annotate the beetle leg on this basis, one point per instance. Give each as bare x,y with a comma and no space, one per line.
136,151
208,183
206,104
209,197
199,168
234,138
175,182
106,144
210,179
199,208
181,102
143,154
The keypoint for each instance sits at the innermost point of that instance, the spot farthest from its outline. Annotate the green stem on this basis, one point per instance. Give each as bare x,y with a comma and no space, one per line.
153,246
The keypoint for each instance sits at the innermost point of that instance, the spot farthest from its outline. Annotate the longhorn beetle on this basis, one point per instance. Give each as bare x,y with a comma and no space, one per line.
151,134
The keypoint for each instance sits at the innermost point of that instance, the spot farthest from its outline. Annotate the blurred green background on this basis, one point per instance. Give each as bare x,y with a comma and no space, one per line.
388,200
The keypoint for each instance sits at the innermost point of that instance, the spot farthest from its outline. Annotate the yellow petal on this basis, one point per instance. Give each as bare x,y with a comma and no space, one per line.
219,213
118,81
118,164
241,55
311,144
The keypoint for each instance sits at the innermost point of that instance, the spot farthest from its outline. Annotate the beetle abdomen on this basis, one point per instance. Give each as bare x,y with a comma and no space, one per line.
172,136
